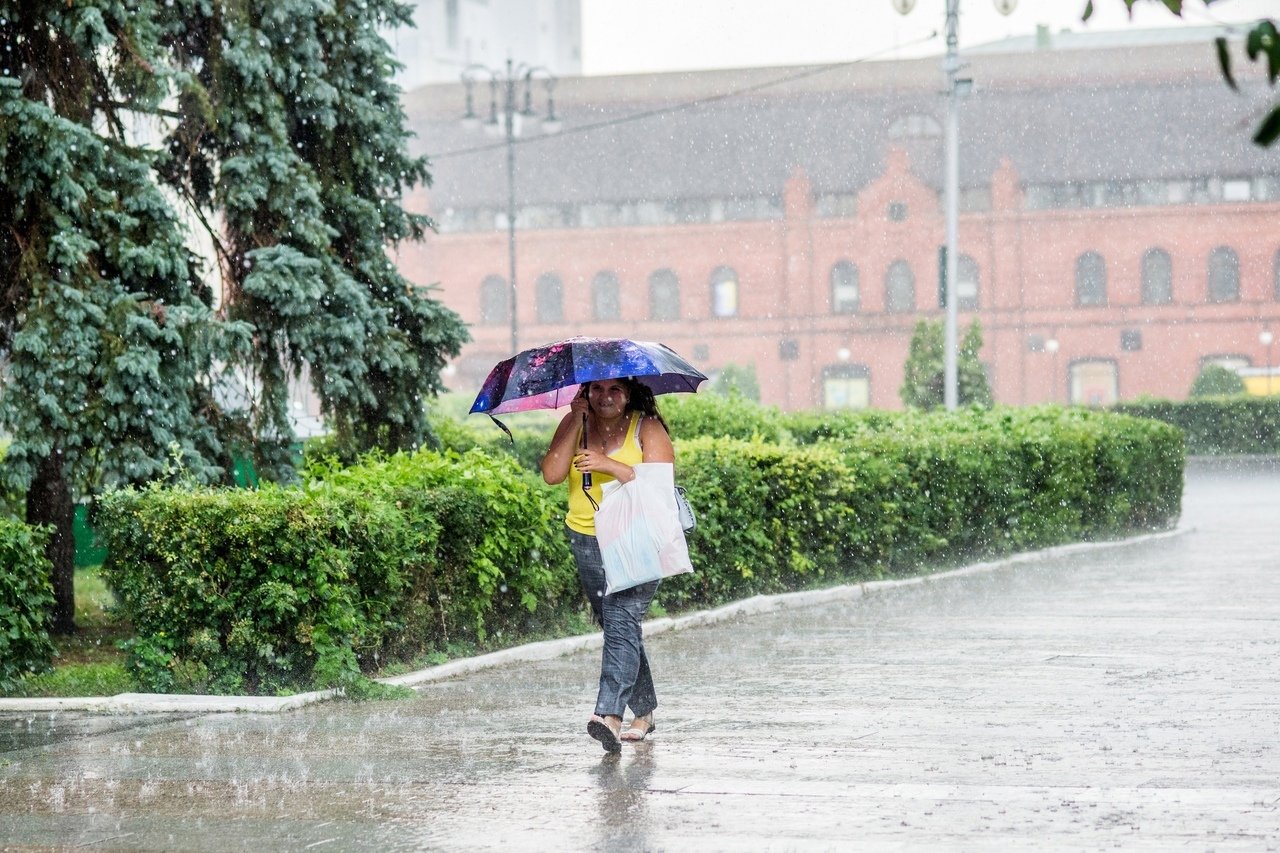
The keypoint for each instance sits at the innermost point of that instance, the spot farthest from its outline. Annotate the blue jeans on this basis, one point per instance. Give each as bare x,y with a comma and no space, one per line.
625,679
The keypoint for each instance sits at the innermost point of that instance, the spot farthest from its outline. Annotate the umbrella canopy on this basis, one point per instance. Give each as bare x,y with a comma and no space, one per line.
549,377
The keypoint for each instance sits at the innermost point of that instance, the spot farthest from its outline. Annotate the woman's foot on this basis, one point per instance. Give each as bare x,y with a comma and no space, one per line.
605,730
640,728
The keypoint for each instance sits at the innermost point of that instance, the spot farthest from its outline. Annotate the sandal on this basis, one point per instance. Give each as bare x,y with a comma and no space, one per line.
641,728
603,732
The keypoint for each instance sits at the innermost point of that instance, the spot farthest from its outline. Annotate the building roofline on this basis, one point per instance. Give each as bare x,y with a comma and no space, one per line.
1091,57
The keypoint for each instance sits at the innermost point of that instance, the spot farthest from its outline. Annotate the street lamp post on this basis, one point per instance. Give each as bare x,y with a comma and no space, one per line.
951,65
1051,347
956,88
510,85
1265,338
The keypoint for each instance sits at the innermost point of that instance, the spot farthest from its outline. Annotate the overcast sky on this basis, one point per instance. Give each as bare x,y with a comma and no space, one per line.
628,36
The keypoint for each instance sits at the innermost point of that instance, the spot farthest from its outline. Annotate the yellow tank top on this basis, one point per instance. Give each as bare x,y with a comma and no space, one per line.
582,516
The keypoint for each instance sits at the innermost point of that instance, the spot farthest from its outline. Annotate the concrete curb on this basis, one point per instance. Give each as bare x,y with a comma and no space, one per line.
163,703
169,703
1266,462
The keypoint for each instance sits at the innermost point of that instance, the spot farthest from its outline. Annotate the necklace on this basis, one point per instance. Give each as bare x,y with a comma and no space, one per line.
610,434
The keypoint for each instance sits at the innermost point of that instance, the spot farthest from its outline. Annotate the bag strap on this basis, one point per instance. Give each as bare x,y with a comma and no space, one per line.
511,437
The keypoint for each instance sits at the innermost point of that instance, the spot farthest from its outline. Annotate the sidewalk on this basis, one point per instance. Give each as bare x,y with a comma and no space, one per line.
1097,698
165,703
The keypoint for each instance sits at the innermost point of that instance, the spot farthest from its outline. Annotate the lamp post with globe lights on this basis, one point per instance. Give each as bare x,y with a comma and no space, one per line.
957,87
1051,347
510,101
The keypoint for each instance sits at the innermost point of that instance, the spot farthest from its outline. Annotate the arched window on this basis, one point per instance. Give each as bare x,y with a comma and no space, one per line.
550,296
900,288
1091,280
606,298
966,283
1224,275
846,386
664,295
845,298
1157,277
1229,361
1094,382
493,301
724,292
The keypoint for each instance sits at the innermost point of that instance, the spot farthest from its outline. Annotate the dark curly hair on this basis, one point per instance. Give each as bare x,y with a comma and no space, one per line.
640,399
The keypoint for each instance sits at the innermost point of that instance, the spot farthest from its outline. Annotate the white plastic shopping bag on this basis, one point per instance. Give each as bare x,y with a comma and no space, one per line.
638,529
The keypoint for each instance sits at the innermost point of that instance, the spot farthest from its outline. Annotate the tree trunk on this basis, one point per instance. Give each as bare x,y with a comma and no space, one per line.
49,502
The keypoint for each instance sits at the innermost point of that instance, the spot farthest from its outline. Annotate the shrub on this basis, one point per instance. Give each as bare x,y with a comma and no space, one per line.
1217,425
284,588
26,600
812,426
13,501
791,533
423,552
251,590
1214,380
736,381
694,415
935,489
923,383
500,561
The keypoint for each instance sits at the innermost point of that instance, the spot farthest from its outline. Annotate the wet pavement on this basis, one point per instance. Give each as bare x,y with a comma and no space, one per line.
1124,697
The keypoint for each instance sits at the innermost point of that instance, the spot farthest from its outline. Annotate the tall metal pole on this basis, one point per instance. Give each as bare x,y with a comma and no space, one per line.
509,114
508,85
951,64
1265,338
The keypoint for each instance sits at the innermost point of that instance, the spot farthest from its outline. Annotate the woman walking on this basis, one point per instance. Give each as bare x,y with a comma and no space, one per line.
612,425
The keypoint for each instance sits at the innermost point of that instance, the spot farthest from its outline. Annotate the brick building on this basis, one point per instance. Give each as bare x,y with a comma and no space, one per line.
1117,227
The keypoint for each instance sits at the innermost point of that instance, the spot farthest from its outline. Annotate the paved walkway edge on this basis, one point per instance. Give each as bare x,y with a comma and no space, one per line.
153,703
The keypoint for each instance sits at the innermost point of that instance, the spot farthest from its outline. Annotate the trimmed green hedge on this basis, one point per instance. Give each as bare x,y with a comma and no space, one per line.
500,560
692,416
935,489
26,600
234,591
1217,425
282,588
687,415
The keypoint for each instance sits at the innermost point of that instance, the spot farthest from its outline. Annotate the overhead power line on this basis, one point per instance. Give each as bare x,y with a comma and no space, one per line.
675,108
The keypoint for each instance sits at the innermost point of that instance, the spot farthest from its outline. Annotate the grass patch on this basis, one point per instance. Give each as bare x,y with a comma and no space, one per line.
89,663
79,679
98,629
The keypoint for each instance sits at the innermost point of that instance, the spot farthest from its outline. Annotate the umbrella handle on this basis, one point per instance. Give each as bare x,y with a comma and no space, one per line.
586,475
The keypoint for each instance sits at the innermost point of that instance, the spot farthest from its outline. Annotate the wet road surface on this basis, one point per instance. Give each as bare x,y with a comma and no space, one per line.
1126,697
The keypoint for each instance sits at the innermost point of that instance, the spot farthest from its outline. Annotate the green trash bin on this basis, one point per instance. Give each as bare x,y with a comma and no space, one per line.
89,551
243,472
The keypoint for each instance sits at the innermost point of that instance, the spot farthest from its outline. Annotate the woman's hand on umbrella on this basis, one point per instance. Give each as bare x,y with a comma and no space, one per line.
594,460
589,460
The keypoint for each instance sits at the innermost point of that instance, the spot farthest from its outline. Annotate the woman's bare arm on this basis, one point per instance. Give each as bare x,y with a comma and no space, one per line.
656,442
555,464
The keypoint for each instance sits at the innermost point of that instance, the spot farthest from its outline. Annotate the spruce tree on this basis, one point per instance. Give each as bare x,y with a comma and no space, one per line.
295,137
924,372
275,127
105,327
